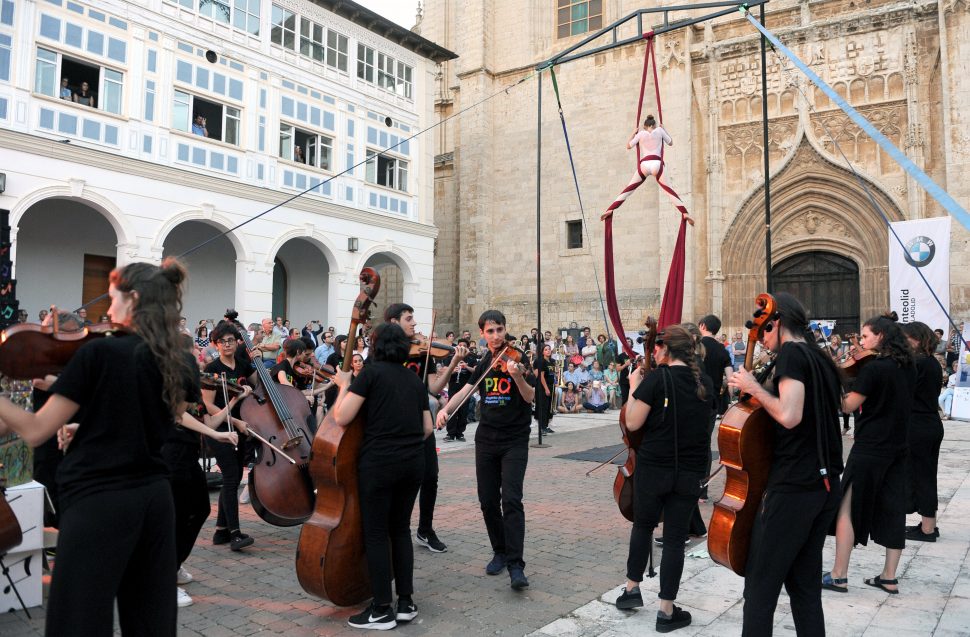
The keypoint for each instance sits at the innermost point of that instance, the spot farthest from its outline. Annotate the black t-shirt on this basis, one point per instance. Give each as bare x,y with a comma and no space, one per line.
547,367
795,464
881,427
505,415
417,365
239,375
716,359
686,417
285,367
929,382
625,372
395,405
123,418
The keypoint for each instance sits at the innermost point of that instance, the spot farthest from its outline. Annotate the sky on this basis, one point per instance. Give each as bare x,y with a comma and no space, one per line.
400,11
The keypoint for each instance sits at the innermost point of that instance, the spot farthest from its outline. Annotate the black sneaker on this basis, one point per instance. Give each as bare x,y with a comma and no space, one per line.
239,541
548,431
431,541
497,565
628,600
917,535
460,437
406,610
919,527
221,536
677,619
518,578
449,438
374,618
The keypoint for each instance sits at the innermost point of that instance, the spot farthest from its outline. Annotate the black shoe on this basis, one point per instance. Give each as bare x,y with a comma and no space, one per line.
497,565
919,527
221,536
548,431
460,437
917,535
406,610
239,541
449,438
374,618
518,578
628,600
677,619
430,540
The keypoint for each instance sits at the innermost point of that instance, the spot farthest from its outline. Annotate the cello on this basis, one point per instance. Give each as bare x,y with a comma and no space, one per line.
744,441
279,487
330,561
623,482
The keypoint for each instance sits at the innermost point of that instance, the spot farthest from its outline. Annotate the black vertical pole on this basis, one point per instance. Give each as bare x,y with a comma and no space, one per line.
764,133
540,399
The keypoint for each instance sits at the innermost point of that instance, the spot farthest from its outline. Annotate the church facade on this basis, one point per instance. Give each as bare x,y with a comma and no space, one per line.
901,64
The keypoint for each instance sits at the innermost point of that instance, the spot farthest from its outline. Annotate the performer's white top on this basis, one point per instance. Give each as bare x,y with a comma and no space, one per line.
651,142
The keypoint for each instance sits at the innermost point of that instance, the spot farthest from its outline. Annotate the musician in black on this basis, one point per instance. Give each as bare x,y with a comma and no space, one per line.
390,468
546,389
672,405
117,540
803,490
230,458
717,365
434,380
874,483
501,446
925,432
462,372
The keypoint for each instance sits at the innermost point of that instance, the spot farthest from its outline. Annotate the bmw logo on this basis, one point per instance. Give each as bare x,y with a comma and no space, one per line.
920,251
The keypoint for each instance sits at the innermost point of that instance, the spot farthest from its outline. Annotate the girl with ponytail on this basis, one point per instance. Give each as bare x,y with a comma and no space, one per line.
875,474
803,489
124,391
671,404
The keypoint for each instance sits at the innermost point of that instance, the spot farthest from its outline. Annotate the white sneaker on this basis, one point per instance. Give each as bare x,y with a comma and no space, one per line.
183,577
182,598
244,494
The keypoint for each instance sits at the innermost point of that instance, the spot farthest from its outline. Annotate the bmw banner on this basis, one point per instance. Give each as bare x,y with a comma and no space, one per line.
926,249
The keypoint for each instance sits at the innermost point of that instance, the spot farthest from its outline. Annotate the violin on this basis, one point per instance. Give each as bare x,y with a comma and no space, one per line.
511,354
330,560
623,483
31,351
420,344
853,360
213,382
744,440
323,374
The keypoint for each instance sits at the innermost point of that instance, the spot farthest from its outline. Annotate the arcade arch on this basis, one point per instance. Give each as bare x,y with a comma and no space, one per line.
301,281
211,287
395,274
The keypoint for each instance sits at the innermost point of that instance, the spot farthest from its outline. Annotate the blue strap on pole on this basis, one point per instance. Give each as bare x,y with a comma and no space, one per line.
942,197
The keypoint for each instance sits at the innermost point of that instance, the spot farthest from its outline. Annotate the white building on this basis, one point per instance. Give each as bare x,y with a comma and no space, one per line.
122,175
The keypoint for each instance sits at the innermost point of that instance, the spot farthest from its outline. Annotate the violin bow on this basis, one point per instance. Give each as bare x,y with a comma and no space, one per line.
225,397
477,382
427,356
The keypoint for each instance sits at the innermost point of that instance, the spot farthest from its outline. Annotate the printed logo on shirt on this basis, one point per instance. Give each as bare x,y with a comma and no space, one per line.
498,390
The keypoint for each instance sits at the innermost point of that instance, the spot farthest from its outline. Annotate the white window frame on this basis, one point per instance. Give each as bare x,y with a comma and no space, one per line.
337,49
386,72
210,9
57,65
395,171
229,115
313,40
246,11
366,69
405,85
318,141
280,27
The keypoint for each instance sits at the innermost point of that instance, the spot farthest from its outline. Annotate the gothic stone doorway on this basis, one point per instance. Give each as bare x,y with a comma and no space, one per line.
826,283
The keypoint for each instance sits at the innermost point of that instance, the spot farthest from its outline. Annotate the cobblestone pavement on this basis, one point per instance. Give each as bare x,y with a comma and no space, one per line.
576,546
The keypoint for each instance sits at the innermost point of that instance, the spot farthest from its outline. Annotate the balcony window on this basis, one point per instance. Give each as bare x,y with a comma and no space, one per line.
306,147
206,118
78,81
389,172
283,32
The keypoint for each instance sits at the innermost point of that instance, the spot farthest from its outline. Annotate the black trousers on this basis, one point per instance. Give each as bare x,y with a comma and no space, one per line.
190,494
429,486
115,545
925,439
710,452
459,421
231,462
387,494
661,491
786,548
500,470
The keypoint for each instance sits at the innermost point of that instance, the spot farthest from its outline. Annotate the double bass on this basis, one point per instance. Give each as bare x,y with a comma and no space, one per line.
623,483
744,440
330,561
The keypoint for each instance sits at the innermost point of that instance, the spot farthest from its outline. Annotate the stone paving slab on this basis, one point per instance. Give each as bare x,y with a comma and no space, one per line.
576,548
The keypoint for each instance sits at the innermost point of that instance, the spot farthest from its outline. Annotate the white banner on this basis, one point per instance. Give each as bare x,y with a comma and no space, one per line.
927,250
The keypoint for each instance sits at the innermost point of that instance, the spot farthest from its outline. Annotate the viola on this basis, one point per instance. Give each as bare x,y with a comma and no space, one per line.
31,351
330,560
744,439
420,344
623,483
853,360
213,382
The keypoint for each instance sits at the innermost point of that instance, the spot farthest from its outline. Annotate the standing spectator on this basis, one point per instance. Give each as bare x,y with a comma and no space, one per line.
279,328
589,353
605,351
572,350
202,336
183,327
312,331
66,93
585,338
198,126
360,347
623,365
298,155
85,97
268,342
323,352
717,365
738,348
953,346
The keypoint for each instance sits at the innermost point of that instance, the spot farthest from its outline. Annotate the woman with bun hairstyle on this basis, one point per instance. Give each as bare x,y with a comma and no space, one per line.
124,391
925,432
672,405
874,483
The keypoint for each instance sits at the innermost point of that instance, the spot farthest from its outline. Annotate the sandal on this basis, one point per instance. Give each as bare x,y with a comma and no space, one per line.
878,582
839,585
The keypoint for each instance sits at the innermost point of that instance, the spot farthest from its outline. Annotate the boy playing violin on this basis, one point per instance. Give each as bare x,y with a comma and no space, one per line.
501,445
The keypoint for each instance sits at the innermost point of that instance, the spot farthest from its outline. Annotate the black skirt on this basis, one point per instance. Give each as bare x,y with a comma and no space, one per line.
879,496
925,438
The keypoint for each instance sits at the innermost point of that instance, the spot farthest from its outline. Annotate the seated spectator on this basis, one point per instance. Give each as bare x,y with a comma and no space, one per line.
85,97
66,92
571,403
596,372
946,396
596,398
582,378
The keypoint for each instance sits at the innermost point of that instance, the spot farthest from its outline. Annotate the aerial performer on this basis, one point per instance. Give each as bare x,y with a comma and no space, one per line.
649,142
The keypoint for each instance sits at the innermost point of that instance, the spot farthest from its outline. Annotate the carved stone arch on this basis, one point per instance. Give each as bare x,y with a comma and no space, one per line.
816,205
318,239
